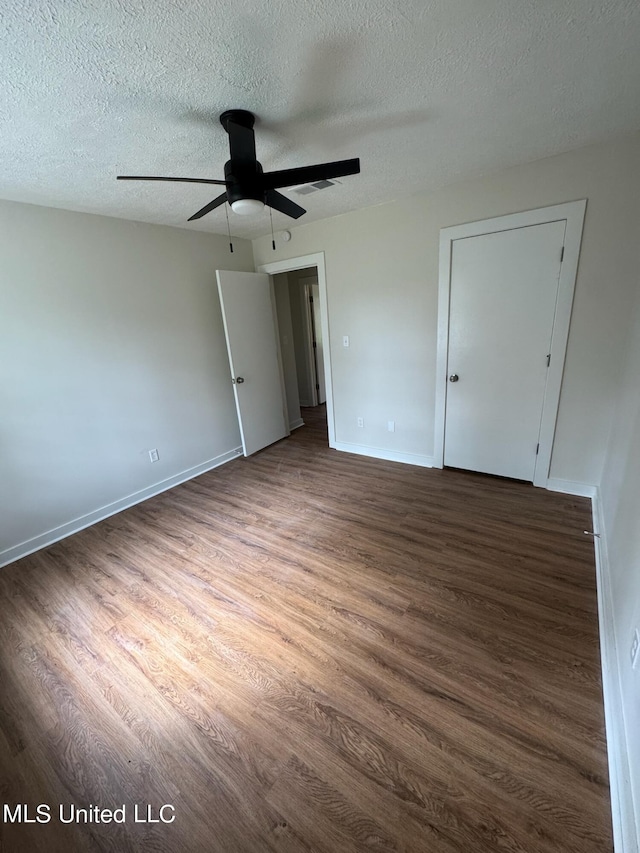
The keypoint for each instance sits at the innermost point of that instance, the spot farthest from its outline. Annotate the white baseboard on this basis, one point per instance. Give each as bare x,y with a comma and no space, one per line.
389,455
16,552
571,487
296,424
622,809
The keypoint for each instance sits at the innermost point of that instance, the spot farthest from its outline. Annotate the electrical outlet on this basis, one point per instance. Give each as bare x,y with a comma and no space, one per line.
360,422
154,455
635,648
391,426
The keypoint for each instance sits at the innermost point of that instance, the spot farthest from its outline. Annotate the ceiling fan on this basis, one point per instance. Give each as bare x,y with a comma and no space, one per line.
247,188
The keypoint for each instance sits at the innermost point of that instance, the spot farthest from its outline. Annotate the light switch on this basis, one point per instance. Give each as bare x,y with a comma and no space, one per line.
345,340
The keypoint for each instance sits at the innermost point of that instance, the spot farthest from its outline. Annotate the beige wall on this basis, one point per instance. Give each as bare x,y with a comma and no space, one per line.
382,280
620,497
111,344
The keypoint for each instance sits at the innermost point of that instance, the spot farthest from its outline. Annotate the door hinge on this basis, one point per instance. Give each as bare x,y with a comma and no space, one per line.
537,449
562,254
317,387
311,297
548,359
315,344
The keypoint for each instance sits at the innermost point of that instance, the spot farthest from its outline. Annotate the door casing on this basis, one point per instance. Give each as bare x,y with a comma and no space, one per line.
573,213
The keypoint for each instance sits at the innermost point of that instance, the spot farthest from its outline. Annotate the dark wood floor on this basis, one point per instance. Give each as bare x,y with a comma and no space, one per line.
311,651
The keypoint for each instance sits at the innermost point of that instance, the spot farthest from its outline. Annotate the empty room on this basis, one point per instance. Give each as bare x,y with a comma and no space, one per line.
320,427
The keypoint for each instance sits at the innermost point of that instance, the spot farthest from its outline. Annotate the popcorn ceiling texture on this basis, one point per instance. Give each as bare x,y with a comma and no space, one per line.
426,92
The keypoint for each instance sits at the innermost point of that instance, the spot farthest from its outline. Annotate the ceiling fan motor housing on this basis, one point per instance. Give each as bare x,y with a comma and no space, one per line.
244,180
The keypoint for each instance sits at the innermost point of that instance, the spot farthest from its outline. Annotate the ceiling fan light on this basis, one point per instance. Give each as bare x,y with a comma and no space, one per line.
245,206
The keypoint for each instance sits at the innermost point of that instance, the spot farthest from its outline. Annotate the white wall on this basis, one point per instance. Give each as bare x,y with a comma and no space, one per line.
620,501
111,344
382,280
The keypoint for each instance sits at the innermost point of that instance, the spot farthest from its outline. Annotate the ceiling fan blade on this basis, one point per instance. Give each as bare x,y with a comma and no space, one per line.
209,207
309,174
181,180
280,202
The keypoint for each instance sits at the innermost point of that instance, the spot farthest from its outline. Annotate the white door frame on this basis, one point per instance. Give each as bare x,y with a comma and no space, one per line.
301,263
573,212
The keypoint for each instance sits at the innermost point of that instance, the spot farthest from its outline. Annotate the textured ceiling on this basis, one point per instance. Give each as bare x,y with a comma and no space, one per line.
425,92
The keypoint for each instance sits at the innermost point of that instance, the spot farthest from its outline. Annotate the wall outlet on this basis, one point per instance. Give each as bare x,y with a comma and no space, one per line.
154,455
391,426
635,648
360,422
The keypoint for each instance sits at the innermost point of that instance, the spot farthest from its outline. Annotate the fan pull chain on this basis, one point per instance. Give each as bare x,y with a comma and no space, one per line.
226,210
273,242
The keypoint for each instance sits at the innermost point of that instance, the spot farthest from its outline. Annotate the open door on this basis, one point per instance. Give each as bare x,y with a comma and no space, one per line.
251,333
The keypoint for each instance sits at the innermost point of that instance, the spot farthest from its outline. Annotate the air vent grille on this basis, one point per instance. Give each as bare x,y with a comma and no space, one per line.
305,189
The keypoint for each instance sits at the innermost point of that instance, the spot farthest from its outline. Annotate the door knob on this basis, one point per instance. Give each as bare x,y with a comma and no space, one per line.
454,377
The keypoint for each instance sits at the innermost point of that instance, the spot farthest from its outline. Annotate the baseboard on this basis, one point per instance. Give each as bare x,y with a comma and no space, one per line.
571,487
622,809
16,552
389,455
296,424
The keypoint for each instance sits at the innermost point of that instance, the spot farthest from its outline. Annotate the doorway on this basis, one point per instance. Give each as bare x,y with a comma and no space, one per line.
301,306
304,300
505,297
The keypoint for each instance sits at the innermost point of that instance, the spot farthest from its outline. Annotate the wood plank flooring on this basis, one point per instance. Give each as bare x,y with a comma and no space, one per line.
311,651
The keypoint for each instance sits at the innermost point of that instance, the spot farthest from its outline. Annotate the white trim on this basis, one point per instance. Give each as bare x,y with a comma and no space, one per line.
389,455
10,555
573,212
571,487
305,262
296,424
622,817
622,810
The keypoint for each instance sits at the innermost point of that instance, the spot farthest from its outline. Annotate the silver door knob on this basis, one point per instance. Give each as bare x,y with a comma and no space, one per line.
239,380
454,377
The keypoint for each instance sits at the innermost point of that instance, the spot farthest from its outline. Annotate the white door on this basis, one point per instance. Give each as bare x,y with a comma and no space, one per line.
503,295
250,329
319,349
